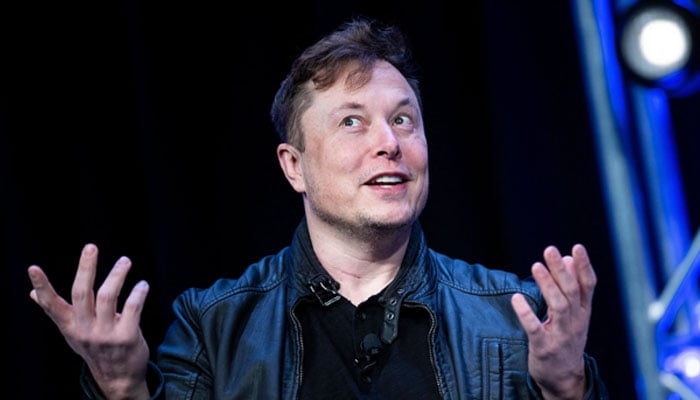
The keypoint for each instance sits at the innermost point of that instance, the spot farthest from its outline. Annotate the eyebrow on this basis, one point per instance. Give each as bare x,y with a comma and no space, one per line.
351,105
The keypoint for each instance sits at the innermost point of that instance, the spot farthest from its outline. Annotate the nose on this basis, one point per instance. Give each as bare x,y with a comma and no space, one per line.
387,143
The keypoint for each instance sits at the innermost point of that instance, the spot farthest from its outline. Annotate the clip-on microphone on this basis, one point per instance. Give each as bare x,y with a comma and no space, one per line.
371,348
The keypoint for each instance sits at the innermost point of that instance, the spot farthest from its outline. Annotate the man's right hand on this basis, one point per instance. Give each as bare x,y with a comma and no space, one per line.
110,342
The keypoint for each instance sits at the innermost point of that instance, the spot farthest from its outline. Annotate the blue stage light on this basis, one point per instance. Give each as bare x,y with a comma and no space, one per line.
659,45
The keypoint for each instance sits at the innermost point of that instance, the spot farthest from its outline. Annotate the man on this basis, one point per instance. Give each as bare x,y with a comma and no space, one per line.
357,306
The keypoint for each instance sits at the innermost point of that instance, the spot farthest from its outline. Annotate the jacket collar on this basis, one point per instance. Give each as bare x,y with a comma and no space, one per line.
310,279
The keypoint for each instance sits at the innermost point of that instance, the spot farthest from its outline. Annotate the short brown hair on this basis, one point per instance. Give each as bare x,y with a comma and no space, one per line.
359,40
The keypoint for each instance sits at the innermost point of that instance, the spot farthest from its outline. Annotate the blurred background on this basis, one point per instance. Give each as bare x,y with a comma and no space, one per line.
143,127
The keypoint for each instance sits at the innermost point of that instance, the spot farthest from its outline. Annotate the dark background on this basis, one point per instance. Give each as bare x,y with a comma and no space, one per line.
143,127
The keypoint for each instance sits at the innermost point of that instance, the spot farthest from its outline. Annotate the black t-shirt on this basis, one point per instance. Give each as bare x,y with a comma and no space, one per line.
344,358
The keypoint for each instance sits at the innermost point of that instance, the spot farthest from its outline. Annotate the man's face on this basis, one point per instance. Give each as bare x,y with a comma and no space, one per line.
365,164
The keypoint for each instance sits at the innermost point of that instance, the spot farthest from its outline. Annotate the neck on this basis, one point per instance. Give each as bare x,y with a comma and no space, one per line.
362,264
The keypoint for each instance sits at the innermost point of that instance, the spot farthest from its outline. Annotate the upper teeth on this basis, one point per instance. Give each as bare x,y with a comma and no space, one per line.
388,179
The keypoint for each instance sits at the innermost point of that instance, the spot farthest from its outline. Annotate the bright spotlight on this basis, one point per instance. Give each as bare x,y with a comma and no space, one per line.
659,44
685,365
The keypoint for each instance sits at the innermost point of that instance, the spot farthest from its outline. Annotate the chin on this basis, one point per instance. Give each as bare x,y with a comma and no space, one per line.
387,224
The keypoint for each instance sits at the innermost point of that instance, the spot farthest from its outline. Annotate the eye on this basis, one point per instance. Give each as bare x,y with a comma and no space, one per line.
351,121
402,120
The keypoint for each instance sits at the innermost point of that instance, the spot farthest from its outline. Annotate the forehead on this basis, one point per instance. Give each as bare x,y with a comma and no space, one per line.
382,80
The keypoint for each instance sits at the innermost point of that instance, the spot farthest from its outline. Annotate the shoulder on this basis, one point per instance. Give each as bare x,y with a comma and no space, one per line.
476,278
257,281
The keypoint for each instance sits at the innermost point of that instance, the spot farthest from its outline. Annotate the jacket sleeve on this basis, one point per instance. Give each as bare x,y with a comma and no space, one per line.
595,387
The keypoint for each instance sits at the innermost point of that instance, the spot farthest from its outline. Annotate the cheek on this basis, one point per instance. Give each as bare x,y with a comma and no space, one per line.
330,169
343,158
417,155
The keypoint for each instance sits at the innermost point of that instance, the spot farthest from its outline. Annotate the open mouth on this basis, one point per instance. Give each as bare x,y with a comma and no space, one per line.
386,180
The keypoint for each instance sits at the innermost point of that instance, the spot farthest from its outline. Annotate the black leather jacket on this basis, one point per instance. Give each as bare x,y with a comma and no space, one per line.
240,339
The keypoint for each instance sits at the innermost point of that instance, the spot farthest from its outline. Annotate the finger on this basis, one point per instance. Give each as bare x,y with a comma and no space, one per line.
82,294
41,287
133,306
569,264
46,297
528,318
585,274
108,293
564,277
548,286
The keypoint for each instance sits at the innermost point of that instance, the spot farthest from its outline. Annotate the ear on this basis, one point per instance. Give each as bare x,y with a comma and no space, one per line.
290,161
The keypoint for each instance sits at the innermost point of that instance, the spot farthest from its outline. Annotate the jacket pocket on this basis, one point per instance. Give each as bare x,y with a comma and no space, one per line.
505,369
